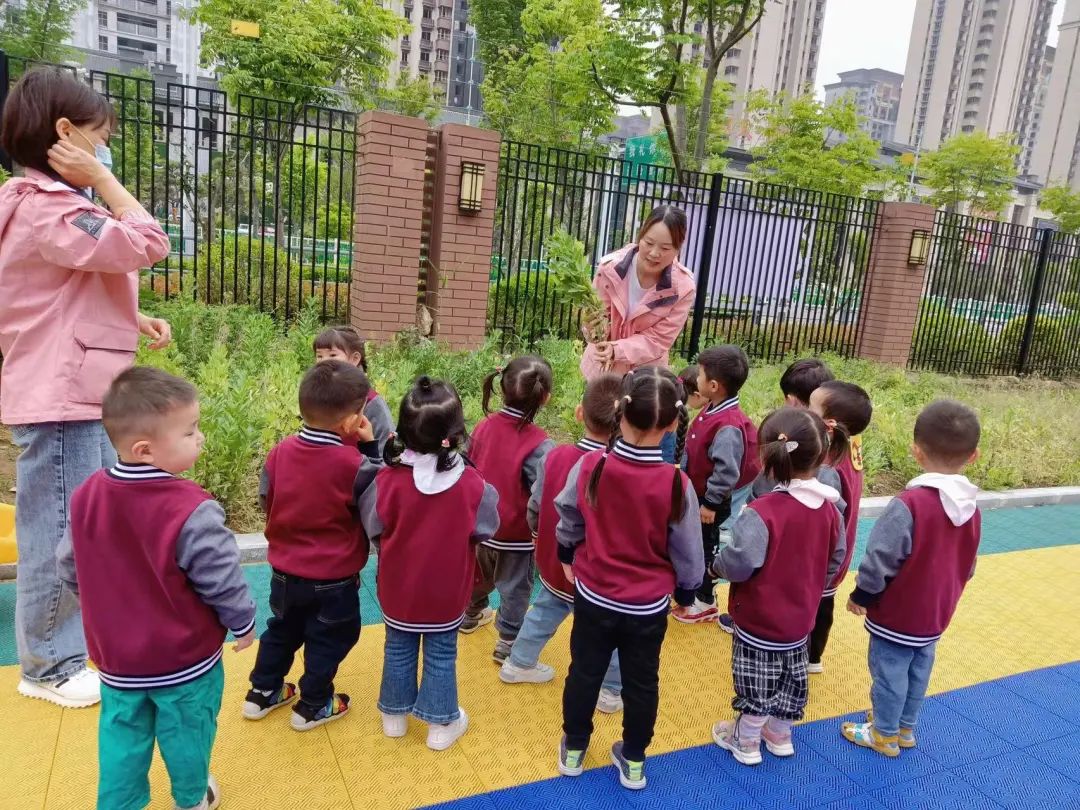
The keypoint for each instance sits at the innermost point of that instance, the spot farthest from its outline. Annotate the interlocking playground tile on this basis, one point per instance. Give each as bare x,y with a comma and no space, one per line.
951,739
938,791
1002,711
1049,689
1062,754
1018,781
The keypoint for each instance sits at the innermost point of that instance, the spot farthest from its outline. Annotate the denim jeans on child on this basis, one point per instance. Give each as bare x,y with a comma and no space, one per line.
900,676
541,622
667,447
321,615
436,698
56,458
183,721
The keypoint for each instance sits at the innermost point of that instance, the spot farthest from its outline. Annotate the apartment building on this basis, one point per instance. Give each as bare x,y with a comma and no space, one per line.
1056,156
876,93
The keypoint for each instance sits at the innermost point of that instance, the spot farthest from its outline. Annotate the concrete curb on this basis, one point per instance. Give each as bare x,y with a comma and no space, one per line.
253,546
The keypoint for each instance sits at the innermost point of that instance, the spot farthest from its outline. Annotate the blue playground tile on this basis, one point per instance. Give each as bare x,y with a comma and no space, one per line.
1003,712
1051,690
861,801
1018,781
1070,671
951,739
481,802
936,791
1062,754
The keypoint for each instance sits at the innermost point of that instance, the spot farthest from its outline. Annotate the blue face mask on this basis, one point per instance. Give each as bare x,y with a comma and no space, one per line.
101,151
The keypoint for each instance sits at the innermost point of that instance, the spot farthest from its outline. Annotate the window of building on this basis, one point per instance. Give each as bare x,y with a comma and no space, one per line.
444,33
733,53
967,128
102,19
445,11
731,70
460,70
103,43
972,100
970,114
440,75
985,43
425,56
168,54
426,13
425,36
442,55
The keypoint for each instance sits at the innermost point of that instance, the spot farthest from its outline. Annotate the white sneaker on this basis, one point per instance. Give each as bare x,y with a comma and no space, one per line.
512,673
697,613
609,702
77,692
211,801
442,736
815,669
395,725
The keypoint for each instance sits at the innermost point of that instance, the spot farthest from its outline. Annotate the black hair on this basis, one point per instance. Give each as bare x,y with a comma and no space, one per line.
651,397
331,391
674,219
848,406
430,420
525,383
783,428
948,431
688,378
344,339
139,398
600,401
803,377
727,365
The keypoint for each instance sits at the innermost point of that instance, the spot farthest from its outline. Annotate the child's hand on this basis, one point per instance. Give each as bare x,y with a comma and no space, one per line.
364,431
568,572
858,610
708,516
244,642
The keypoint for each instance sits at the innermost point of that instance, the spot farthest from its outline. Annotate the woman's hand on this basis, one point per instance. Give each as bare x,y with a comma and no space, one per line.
157,329
605,353
78,167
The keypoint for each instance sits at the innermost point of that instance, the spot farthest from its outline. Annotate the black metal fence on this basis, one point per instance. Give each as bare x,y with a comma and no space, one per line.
256,195
999,299
778,269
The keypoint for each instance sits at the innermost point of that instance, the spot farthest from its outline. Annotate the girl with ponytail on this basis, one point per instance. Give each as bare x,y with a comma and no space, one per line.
629,538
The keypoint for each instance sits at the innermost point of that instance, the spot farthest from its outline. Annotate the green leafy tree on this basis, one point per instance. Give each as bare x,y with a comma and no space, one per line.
1064,204
38,29
972,168
498,29
415,98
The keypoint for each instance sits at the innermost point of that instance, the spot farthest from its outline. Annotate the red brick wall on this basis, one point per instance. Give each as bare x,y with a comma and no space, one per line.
893,287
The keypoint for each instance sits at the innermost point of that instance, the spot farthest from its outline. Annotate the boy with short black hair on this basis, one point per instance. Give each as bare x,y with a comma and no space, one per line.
158,575
317,547
721,460
801,379
919,558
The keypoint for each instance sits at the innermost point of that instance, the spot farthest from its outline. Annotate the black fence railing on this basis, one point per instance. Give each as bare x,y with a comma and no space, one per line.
778,269
999,299
256,195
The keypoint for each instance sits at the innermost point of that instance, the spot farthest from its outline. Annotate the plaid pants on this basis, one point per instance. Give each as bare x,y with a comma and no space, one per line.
769,683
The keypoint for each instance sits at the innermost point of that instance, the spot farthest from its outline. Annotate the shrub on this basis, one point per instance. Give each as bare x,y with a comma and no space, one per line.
524,305
1047,345
944,341
1070,299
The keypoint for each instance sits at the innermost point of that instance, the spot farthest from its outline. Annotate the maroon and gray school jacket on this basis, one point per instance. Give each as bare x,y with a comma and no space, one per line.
157,574
721,452
543,518
382,421
308,487
626,555
426,543
509,459
782,553
918,560
851,487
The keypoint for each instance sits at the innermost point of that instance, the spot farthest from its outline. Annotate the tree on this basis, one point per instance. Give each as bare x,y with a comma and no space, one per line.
412,97
498,29
972,168
808,144
39,29
1064,204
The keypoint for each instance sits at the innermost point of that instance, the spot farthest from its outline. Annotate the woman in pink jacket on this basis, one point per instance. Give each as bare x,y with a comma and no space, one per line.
69,323
648,295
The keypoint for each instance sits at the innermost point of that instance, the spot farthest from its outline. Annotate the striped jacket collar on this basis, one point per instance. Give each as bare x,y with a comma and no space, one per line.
318,436
513,413
726,405
587,445
137,472
642,455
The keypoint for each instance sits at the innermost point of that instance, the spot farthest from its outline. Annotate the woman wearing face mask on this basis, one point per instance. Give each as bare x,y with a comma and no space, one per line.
648,295
69,323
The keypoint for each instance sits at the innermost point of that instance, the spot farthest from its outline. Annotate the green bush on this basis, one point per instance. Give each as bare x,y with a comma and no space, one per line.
1070,299
523,304
1047,344
944,341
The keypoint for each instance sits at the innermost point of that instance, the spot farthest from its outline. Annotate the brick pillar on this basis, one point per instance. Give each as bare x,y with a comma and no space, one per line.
893,290
388,223
461,243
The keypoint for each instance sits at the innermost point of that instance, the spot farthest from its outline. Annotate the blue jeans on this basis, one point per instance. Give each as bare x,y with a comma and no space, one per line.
56,458
436,699
667,447
541,622
900,677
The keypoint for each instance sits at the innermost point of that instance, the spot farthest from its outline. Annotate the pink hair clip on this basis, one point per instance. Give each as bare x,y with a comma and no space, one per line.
446,443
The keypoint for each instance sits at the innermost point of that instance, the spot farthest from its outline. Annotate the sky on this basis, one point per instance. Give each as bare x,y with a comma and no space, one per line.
874,34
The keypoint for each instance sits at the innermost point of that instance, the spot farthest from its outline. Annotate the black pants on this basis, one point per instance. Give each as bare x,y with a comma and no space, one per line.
710,539
819,636
321,615
596,634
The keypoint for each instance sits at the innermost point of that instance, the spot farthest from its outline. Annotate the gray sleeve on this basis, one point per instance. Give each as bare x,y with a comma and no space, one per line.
686,550
726,454
534,462
745,554
571,529
365,495
831,478
382,421
536,497
889,545
206,551
65,562
839,551
487,515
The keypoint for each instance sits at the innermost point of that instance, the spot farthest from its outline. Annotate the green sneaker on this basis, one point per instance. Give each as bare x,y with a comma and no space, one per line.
571,763
631,773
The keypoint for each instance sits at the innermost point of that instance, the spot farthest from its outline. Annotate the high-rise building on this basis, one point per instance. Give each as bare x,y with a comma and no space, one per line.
1056,157
973,65
1039,113
876,93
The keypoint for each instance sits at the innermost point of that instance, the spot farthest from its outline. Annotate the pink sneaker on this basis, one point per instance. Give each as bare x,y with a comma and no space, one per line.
725,734
778,743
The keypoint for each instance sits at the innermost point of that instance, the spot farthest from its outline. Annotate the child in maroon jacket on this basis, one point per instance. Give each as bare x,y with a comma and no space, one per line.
344,343
425,511
317,548
920,556
507,449
785,547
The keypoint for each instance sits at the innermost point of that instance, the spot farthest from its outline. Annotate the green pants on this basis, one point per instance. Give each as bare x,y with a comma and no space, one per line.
183,720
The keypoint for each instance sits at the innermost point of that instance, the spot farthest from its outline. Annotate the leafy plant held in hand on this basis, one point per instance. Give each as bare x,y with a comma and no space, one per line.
572,276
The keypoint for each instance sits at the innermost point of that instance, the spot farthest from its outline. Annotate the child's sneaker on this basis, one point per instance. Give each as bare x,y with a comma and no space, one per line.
442,735
697,613
571,763
609,701
258,704
906,737
306,717
726,735
502,651
815,667
778,744
727,624
211,801
473,622
512,673
631,773
865,735
395,725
